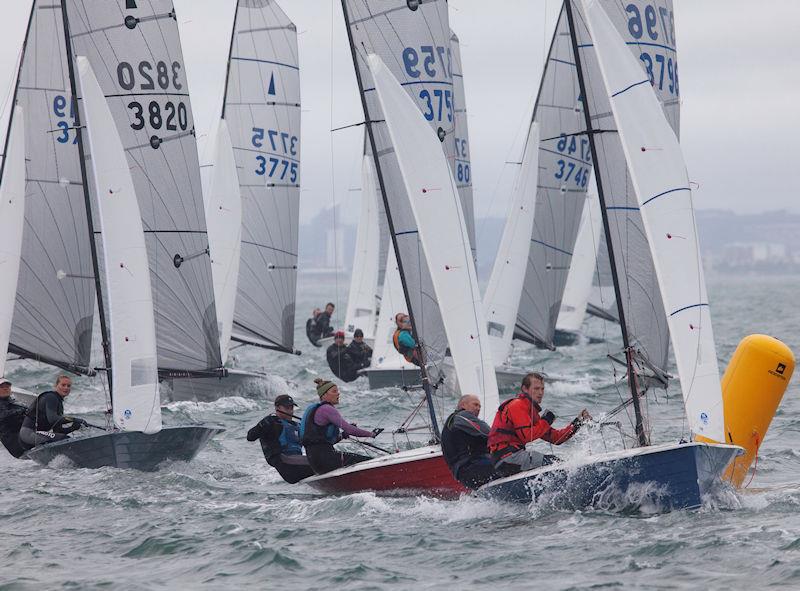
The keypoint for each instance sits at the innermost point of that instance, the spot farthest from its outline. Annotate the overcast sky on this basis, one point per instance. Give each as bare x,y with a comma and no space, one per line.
740,85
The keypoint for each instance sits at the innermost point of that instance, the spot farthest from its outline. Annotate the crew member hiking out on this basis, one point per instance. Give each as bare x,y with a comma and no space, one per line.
11,417
280,441
521,420
322,426
319,325
340,361
359,351
464,438
45,421
404,340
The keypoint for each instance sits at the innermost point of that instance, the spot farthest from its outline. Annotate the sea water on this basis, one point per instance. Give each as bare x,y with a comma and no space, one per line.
226,520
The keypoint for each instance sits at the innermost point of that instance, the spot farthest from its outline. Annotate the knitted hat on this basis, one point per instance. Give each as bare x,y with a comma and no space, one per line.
323,386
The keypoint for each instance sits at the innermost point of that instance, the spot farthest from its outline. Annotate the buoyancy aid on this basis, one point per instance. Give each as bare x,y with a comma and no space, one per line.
311,433
517,422
289,438
404,350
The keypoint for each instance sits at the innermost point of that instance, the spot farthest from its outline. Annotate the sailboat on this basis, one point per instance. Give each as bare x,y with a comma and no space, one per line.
257,147
138,261
611,76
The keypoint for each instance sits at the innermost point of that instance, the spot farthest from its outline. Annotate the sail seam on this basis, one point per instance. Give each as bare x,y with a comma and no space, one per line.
665,193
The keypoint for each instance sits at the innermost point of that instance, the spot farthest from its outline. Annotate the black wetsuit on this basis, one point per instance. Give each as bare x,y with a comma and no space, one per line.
341,364
44,421
319,442
281,449
464,446
11,417
360,353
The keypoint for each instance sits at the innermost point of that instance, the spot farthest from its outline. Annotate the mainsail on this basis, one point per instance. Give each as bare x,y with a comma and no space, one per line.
262,109
565,165
56,288
134,49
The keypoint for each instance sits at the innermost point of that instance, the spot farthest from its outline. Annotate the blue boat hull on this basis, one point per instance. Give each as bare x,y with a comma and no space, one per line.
128,449
668,477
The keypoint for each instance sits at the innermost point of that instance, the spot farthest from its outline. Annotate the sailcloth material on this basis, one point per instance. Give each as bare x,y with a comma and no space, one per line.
12,219
384,355
662,189
131,324
434,200
502,297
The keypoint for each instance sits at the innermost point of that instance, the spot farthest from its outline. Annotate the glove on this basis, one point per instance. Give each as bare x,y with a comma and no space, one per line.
548,417
344,436
577,423
376,432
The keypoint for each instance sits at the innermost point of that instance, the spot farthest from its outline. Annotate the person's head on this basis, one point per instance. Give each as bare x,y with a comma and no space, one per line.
327,391
470,403
315,312
358,335
63,385
402,320
338,338
5,388
329,307
533,386
284,406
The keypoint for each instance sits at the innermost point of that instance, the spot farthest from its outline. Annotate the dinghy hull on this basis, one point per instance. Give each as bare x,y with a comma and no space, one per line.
236,383
669,477
128,449
393,377
408,473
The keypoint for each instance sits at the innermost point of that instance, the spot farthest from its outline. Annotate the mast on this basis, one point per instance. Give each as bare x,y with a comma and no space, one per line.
426,385
230,52
637,410
88,201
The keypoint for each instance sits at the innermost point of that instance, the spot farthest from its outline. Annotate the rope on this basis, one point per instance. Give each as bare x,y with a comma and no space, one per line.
755,464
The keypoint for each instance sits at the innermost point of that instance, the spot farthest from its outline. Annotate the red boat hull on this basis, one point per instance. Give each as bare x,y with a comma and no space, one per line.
429,476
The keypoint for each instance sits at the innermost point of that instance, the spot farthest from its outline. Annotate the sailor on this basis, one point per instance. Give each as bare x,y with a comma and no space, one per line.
11,417
404,341
339,360
359,351
521,420
464,438
280,441
322,426
319,325
45,421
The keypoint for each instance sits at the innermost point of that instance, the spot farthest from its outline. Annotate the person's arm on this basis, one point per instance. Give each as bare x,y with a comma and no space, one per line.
471,425
258,431
327,414
528,427
559,436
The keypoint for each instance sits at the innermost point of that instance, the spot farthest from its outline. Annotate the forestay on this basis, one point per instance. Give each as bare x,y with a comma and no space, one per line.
647,28
134,50
12,219
502,297
462,169
131,325
363,296
661,184
262,108
437,209
223,205
413,40
565,165
56,289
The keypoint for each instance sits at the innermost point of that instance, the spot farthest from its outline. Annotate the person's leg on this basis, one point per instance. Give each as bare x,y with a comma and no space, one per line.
477,473
348,459
520,461
323,458
293,473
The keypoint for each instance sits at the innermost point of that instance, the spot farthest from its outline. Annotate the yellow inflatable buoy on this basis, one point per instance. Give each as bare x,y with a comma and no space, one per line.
752,389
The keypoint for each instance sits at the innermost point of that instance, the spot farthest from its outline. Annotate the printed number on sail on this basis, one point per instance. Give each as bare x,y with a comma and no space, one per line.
572,168
279,164
60,103
643,25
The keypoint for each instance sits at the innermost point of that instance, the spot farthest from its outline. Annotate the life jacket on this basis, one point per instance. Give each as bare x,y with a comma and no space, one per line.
289,438
506,437
503,436
311,433
36,416
404,350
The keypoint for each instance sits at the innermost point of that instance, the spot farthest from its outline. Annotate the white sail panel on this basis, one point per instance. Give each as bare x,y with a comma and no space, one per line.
54,308
131,323
662,189
12,219
134,49
224,219
436,206
584,262
384,355
362,298
502,297
461,166
413,39
262,108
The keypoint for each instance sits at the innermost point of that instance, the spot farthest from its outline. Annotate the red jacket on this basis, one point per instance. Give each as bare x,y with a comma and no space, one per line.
517,422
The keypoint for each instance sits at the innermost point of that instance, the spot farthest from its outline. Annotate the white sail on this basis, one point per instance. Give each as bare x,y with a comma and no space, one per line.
131,322
584,261
662,189
384,355
502,297
12,219
434,200
224,223
361,301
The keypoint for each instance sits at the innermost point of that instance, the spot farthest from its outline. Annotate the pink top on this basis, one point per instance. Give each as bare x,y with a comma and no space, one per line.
327,414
